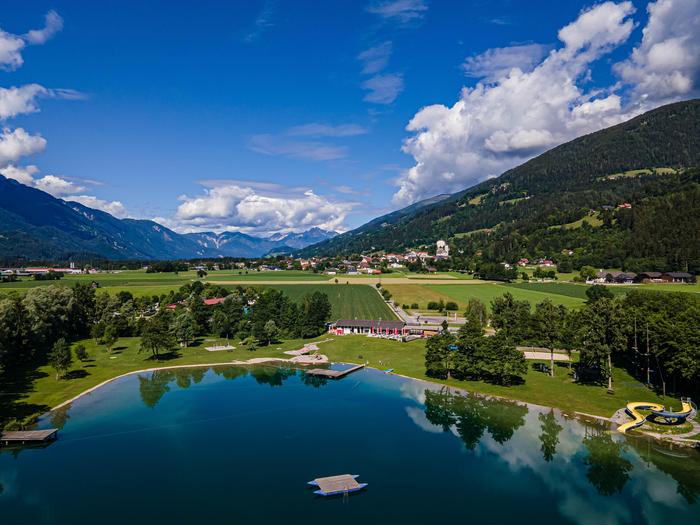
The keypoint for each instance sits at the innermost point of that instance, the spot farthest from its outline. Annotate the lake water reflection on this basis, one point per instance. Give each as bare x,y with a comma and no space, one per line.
236,444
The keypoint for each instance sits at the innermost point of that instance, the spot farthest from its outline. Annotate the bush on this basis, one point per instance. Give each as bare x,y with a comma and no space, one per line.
404,307
451,305
414,306
432,305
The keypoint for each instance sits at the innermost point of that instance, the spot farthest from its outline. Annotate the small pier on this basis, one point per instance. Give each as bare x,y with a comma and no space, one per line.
334,374
28,437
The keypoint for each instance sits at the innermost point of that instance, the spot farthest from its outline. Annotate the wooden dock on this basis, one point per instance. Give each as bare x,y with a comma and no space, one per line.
334,374
26,437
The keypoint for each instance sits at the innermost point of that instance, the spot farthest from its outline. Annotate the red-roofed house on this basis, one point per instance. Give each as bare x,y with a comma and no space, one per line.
214,301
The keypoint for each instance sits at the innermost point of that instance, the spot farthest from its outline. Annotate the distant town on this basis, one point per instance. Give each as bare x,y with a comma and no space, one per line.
427,259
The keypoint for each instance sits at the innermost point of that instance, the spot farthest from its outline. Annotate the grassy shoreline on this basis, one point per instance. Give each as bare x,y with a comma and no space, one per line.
45,392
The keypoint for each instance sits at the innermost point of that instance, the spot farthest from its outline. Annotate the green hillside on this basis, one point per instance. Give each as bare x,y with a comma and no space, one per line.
567,199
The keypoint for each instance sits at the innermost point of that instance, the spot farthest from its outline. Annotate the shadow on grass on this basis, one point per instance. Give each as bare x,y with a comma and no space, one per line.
76,374
15,384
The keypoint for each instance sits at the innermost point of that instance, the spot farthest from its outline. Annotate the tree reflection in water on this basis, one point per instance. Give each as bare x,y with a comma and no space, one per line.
549,438
472,415
152,388
273,376
313,380
155,385
608,471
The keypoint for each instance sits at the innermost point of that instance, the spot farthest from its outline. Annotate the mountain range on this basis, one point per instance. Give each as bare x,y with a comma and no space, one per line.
37,226
625,196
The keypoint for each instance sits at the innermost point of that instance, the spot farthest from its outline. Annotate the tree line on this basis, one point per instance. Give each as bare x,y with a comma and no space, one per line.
39,324
654,335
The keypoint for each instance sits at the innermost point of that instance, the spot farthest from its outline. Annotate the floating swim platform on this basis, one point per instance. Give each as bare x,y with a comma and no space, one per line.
336,485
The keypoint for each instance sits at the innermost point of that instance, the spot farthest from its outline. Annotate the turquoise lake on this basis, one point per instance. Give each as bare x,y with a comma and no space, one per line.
238,445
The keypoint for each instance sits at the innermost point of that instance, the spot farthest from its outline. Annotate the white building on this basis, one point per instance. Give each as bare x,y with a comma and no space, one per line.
442,250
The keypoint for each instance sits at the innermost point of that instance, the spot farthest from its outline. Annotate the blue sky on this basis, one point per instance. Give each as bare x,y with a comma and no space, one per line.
270,115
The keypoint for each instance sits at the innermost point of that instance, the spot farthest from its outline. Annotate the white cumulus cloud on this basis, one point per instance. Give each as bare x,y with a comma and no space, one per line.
11,46
19,100
57,186
503,121
10,51
666,64
236,207
17,143
115,208
23,174
62,188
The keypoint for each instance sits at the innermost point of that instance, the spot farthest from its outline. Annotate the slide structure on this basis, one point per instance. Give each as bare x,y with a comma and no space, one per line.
656,410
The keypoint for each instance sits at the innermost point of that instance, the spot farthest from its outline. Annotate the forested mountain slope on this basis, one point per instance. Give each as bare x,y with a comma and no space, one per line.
567,200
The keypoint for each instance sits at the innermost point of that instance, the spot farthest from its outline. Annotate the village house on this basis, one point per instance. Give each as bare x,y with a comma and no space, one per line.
678,277
616,277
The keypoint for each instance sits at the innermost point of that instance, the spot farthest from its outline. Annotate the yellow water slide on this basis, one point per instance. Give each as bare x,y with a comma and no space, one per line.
656,410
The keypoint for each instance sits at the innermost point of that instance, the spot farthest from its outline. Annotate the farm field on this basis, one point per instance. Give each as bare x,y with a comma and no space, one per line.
140,283
423,293
568,294
349,301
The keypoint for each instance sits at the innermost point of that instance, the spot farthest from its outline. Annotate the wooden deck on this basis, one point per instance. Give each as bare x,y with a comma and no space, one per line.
28,436
342,483
334,374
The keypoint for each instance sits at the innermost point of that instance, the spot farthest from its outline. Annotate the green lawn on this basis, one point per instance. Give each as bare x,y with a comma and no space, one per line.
44,390
349,301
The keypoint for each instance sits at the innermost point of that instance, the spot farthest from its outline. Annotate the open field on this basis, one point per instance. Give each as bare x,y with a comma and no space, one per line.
406,287
349,301
486,292
568,294
42,390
